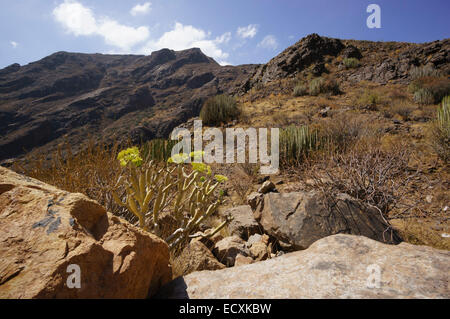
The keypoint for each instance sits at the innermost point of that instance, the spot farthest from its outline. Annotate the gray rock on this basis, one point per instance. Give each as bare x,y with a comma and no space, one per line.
228,248
339,266
243,223
254,199
297,220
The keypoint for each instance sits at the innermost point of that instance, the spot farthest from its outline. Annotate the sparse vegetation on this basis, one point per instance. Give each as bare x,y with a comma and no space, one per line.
441,130
320,85
351,63
150,191
158,149
371,175
296,143
219,109
430,88
300,90
424,71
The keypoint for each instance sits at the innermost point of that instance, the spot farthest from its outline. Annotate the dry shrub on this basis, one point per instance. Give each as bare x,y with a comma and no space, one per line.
343,130
242,180
321,85
369,174
404,110
93,171
429,89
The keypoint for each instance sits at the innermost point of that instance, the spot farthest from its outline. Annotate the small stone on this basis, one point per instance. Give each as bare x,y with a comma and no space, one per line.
253,239
228,248
254,199
242,260
266,187
259,251
242,224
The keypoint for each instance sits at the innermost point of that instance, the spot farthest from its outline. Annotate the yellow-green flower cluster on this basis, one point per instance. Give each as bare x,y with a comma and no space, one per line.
221,178
178,158
130,155
202,168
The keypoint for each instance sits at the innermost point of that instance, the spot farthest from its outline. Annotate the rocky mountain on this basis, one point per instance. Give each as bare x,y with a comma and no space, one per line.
72,96
381,61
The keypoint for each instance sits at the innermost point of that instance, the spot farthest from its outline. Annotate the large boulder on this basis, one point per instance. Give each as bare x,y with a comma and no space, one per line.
45,233
299,219
339,266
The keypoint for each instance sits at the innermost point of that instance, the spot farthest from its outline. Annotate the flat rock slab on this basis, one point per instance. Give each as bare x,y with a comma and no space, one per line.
338,266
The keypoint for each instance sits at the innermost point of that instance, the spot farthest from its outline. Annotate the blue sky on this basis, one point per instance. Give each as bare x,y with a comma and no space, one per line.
231,31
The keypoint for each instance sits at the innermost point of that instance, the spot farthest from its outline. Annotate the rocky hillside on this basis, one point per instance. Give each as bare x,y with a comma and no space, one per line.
71,95
381,61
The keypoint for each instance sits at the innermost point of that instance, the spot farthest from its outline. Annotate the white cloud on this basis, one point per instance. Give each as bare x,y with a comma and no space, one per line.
248,31
14,44
269,42
141,9
81,21
185,37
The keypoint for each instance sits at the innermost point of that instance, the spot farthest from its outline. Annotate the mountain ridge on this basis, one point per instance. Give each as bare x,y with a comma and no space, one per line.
70,96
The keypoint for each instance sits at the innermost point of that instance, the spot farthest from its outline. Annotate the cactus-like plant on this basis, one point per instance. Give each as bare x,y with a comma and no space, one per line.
441,130
296,143
189,197
158,149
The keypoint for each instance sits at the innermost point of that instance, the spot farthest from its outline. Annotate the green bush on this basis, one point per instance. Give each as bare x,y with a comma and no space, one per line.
300,90
219,109
441,130
296,143
320,85
158,150
351,63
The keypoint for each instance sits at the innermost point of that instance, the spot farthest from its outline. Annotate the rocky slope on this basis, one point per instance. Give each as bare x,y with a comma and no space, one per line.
70,95
381,61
